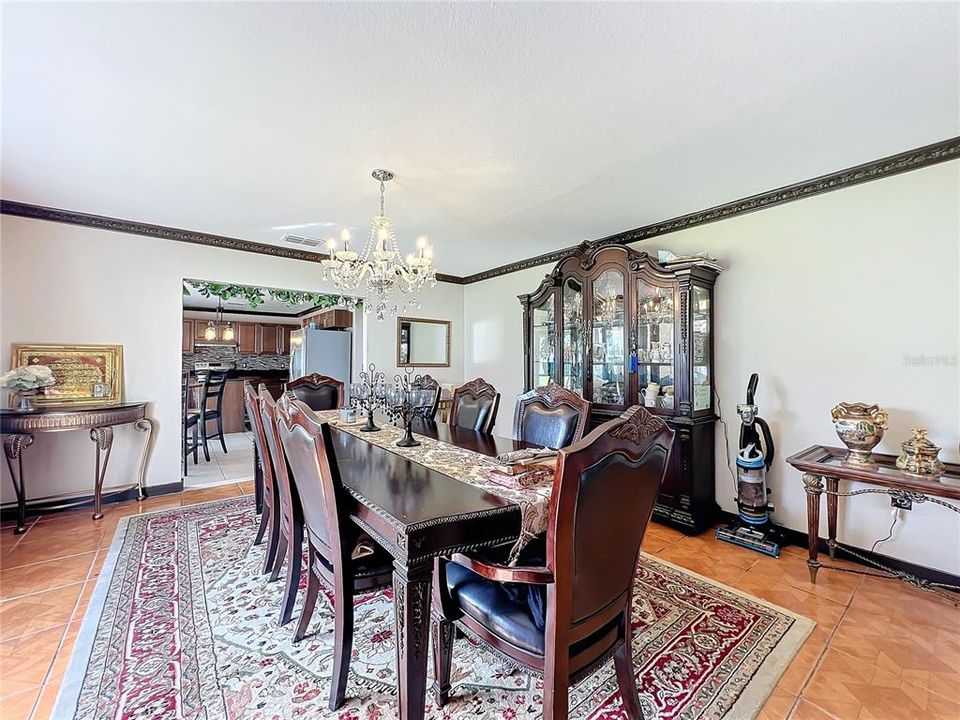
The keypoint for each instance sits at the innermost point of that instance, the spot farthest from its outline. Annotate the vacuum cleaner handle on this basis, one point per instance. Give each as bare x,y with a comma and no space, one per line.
752,387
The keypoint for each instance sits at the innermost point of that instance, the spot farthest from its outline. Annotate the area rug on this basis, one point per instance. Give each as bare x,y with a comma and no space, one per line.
183,625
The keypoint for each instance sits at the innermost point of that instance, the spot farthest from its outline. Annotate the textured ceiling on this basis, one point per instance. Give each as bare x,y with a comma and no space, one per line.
514,129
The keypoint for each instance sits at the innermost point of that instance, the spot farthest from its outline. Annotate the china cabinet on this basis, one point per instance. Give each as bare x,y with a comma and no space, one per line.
621,329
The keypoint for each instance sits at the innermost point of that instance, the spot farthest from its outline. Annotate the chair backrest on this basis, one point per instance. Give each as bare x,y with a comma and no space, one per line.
318,392
475,406
603,497
551,416
427,382
313,462
251,402
213,385
283,483
184,391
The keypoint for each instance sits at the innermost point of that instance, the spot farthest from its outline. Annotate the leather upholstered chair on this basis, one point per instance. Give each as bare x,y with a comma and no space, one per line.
290,533
475,406
550,416
341,556
576,610
318,392
270,513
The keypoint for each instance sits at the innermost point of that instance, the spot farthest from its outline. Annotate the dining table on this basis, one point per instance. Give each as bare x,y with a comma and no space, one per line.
428,501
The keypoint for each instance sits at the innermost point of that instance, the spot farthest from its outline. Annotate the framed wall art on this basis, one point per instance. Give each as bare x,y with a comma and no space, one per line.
85,374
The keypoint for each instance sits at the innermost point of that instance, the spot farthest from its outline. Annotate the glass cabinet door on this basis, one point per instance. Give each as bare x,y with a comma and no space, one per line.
544,343
702,382
573,335
607,343
655,346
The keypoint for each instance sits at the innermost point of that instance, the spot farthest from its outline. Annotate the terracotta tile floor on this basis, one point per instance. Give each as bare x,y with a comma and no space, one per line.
881,650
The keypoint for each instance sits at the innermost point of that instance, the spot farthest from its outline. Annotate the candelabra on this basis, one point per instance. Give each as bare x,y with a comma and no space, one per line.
406,401
369,394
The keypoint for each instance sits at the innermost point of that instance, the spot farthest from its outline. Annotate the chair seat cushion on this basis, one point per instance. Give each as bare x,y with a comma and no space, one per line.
503,609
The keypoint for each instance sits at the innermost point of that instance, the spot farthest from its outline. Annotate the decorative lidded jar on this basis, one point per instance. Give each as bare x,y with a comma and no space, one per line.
918,456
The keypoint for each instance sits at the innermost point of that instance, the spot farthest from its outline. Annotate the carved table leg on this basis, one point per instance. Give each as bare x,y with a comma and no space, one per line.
833,485
13,447
103,437
813,486
411,598
144,425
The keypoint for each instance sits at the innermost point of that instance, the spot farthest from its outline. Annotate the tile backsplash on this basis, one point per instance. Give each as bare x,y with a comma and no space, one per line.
229,354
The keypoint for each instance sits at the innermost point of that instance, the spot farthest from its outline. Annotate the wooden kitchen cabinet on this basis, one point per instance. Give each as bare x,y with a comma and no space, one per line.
186,343
247,338
284,342
269,340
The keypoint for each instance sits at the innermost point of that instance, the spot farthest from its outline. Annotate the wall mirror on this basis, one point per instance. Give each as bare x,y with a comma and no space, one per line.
423,343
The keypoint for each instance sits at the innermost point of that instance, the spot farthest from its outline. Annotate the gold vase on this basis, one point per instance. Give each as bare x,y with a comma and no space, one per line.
860,427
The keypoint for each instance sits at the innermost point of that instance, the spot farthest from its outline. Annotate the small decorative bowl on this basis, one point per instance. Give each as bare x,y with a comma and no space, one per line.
860,427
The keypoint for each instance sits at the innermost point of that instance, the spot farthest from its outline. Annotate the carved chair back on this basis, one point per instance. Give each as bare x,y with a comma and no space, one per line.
318,392
290,512
475,406
427,382
313,464
603,497
251,402
551,416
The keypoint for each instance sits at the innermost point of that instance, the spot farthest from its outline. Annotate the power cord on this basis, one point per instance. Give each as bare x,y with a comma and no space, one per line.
896,519
726,444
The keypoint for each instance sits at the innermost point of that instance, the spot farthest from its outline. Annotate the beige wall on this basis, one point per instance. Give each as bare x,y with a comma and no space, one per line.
60,283
829,298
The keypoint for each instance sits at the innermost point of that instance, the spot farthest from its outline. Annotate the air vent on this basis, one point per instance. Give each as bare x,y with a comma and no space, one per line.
301,240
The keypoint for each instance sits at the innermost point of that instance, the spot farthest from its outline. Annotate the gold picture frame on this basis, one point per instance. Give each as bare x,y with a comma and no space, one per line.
85,374
403,342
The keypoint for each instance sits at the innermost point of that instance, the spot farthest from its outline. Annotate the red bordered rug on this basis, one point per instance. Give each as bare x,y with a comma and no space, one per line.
182,625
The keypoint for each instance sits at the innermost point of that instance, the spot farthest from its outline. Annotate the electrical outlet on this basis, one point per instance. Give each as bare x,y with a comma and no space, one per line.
904,503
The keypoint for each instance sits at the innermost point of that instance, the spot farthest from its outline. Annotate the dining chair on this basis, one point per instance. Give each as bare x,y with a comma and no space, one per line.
214,383
190,422
475,406
426,382
340,556
290,536
551,416
319,392
566,607
270,512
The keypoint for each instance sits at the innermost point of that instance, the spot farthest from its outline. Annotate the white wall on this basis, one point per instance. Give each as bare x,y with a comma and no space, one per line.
67,284
827,298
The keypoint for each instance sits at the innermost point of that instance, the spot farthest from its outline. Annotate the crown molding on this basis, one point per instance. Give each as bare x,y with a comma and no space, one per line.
915,159
194,237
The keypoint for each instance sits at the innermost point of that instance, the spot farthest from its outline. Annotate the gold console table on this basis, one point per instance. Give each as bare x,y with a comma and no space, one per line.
19,427
823,468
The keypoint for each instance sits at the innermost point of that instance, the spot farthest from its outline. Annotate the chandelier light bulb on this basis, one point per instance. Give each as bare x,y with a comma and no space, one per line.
345,235
422,242
331,244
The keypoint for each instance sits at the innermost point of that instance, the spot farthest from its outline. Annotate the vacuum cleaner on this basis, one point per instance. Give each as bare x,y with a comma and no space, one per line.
753,528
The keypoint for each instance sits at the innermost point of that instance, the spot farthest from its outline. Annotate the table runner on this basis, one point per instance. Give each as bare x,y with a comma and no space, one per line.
466,466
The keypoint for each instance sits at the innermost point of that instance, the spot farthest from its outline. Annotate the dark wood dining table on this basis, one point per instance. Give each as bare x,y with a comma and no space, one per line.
417,514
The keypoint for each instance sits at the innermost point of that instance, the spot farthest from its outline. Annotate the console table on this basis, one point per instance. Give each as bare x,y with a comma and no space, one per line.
18,428
823,468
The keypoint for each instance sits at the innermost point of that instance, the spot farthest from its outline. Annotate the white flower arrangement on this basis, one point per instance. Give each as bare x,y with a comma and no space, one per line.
27,378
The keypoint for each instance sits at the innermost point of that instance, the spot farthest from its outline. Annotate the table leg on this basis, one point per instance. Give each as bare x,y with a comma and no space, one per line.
813,486
13,447
833,485
144,425
257,480
411,602
103,437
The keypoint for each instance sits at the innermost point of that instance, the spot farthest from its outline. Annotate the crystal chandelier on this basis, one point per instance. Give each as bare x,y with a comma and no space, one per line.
392,282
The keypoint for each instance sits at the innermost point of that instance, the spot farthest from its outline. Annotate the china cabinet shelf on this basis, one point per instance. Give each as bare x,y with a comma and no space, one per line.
600,313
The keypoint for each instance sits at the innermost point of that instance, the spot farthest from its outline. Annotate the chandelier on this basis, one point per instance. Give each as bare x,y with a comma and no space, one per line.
393,283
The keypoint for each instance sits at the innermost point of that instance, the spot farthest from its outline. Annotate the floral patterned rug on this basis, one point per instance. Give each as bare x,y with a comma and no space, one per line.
182,625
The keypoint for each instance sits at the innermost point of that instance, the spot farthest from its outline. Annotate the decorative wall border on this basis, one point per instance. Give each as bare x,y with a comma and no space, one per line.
915,159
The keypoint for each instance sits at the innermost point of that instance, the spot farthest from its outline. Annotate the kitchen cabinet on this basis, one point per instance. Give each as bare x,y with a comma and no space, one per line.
269,340
284,343
247,338
331,320
620,329
186,343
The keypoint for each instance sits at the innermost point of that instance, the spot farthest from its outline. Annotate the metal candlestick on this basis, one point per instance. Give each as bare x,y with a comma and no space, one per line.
406,401
369,394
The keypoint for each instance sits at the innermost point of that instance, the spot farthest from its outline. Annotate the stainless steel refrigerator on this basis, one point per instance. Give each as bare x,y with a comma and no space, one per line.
328,352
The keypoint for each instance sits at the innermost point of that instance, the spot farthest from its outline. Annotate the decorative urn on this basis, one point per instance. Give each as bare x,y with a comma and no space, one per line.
918,456
860,427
